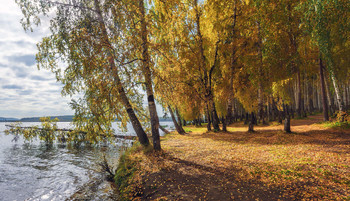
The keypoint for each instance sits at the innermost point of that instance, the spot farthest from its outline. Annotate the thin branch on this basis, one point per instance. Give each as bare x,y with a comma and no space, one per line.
71,5
129,62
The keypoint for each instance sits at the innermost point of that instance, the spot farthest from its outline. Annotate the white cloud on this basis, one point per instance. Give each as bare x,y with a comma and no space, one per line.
25,91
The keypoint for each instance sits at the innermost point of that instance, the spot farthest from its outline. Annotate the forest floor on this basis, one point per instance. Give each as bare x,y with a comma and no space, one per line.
312,163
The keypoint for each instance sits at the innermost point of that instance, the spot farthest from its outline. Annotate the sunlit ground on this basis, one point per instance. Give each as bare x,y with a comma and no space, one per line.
311,163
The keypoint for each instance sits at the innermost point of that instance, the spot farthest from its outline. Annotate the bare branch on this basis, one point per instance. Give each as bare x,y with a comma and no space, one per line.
71,5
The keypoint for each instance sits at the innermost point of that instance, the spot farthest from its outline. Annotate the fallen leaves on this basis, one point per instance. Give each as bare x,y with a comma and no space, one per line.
312,163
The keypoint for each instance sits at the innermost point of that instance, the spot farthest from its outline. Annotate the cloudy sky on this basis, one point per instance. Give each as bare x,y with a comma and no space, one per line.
25,91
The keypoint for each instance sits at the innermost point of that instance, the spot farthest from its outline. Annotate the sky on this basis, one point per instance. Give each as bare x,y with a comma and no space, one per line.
24,90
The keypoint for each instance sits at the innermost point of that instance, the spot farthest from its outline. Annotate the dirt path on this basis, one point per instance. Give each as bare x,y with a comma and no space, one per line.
312,163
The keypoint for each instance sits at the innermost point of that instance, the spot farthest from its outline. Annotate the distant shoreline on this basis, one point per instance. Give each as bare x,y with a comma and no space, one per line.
65,118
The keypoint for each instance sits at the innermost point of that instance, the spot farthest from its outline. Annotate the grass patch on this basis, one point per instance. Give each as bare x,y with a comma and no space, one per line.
300,118
189,129
126,179
337,125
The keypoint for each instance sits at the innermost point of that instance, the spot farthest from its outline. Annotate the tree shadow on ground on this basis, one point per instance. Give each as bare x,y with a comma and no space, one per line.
187,180
304,132
271,137
248,166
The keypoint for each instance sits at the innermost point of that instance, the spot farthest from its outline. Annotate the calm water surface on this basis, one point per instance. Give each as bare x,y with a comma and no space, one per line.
35,171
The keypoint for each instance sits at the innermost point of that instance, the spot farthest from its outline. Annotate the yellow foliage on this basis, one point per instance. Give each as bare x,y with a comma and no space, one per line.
280,90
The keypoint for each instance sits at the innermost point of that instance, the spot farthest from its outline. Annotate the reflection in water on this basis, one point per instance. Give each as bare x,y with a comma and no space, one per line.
36,171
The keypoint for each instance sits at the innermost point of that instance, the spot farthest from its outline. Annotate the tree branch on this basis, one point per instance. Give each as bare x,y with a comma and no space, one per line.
71,5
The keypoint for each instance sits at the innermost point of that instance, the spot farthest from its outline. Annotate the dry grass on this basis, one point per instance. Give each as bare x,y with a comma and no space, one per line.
312,163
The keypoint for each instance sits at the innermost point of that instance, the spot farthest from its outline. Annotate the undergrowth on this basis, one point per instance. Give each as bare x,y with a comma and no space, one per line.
127,183
195,129
342,121
337,124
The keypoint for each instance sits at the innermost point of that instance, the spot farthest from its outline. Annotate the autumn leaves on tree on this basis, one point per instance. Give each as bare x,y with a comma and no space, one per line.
217,61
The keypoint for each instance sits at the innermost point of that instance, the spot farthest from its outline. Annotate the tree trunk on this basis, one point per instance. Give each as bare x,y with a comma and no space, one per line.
255,118
284,113
229,115
330,98
268,111
310,95
178,117
348,107
275,110
316,97
251,123
280,116
246,119
287,124
261,105
287,121
179,129
200,121
298,94
232,71
324,95
122,95
260,82
215,118
304,95
163,129
235,111
346,101
148,79
338,95
206,76
209,119
224,124
294,53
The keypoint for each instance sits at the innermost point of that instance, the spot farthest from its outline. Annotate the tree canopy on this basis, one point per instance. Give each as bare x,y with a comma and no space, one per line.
212,60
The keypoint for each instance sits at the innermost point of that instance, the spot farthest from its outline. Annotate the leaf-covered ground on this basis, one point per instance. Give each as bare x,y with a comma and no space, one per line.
313,163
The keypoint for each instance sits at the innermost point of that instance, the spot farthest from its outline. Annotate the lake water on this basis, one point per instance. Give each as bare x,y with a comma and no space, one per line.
35,171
